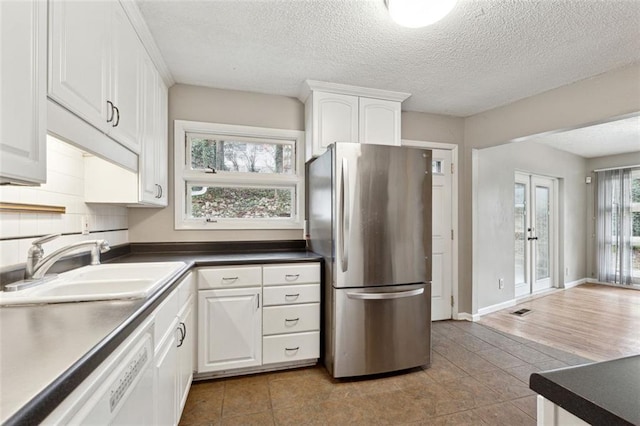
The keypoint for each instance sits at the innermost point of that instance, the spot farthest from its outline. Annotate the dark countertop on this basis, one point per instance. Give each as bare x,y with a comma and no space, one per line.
48,350
602,393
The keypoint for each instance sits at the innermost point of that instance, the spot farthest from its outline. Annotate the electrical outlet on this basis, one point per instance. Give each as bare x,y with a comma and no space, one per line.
84,225
500,283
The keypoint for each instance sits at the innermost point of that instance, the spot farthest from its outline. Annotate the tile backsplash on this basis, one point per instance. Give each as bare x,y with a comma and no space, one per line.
64,187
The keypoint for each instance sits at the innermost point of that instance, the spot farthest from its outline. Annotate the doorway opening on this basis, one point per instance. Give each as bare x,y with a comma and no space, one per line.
535,233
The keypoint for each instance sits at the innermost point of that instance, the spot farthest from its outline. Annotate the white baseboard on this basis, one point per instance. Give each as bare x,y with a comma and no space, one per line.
496,307
465,316
576,282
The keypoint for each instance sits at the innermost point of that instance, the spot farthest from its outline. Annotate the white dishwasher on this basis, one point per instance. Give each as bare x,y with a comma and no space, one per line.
125,397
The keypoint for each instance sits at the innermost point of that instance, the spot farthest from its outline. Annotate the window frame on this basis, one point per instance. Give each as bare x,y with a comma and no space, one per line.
184,175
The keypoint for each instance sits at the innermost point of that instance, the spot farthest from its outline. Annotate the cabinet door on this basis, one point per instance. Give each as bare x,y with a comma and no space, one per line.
186,348
162,148
127,56
79,58
335,119
149,191
166,360
229,329
379,121
23,67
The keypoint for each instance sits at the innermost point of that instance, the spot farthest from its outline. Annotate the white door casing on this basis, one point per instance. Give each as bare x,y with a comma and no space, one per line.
444,227
441,236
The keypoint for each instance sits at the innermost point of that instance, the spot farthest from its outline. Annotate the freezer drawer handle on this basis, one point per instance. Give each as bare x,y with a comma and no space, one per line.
385,296
291,320
291,277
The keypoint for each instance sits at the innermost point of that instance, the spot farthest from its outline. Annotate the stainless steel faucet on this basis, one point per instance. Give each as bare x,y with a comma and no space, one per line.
37,266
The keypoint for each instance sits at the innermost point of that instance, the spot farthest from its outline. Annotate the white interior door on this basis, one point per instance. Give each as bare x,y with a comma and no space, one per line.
535,233
441,236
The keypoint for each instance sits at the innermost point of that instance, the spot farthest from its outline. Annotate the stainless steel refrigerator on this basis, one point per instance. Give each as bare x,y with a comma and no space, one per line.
369,216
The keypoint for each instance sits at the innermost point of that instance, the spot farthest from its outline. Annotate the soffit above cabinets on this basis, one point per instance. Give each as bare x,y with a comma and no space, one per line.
485,54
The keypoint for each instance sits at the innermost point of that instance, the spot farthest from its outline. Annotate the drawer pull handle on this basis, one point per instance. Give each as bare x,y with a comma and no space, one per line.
292,320
293,296
291,277
229,278
292,349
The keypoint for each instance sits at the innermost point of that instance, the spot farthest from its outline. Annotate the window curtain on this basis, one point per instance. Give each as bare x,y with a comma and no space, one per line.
614,226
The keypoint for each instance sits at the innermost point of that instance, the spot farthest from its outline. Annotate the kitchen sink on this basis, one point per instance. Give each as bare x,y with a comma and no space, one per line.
97,282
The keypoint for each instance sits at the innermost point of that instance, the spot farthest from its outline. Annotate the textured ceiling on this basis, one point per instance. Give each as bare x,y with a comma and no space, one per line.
483,55
615,137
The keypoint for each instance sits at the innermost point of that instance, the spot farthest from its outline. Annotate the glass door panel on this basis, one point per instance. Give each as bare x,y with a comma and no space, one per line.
542,232
520,233
522,227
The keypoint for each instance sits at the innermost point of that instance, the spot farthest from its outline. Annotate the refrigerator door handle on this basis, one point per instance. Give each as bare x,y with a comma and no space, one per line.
345,214
385,296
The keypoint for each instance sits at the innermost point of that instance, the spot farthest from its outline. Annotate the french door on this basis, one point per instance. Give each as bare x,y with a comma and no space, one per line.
535,233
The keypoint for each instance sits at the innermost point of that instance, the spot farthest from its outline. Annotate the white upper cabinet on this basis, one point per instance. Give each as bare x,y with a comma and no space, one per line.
96,67
334,119
379,122
127,55
79,59
23,49
153,157
341,113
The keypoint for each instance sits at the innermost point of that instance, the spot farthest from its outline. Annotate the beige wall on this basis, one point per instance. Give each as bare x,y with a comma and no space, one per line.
494,205
595,100
216,106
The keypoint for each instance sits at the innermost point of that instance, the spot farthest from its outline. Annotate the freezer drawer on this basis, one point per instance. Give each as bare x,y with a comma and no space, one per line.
381,329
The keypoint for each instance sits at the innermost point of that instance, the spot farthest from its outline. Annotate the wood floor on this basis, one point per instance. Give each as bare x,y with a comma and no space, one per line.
593,321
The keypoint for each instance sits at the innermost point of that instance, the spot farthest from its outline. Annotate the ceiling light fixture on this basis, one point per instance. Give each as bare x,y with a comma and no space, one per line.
418,13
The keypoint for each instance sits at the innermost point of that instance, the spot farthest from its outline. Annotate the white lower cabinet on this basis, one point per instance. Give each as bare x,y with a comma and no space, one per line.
230,325
186,350
173,353
237,333
166,359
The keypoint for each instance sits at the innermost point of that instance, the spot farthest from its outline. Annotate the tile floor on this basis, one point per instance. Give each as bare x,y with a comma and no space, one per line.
478,376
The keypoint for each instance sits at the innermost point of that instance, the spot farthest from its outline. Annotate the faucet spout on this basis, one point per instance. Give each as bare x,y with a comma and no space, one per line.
41,268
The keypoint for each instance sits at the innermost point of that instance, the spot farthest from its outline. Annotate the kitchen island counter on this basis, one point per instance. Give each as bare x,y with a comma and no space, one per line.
600,393
48,350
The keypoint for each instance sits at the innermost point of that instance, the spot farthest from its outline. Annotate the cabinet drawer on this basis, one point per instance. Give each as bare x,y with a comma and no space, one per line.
290,319
290,347
291,273
291,294
229,277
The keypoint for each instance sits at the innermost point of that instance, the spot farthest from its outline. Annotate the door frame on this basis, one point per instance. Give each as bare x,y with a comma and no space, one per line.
454,213
554,243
